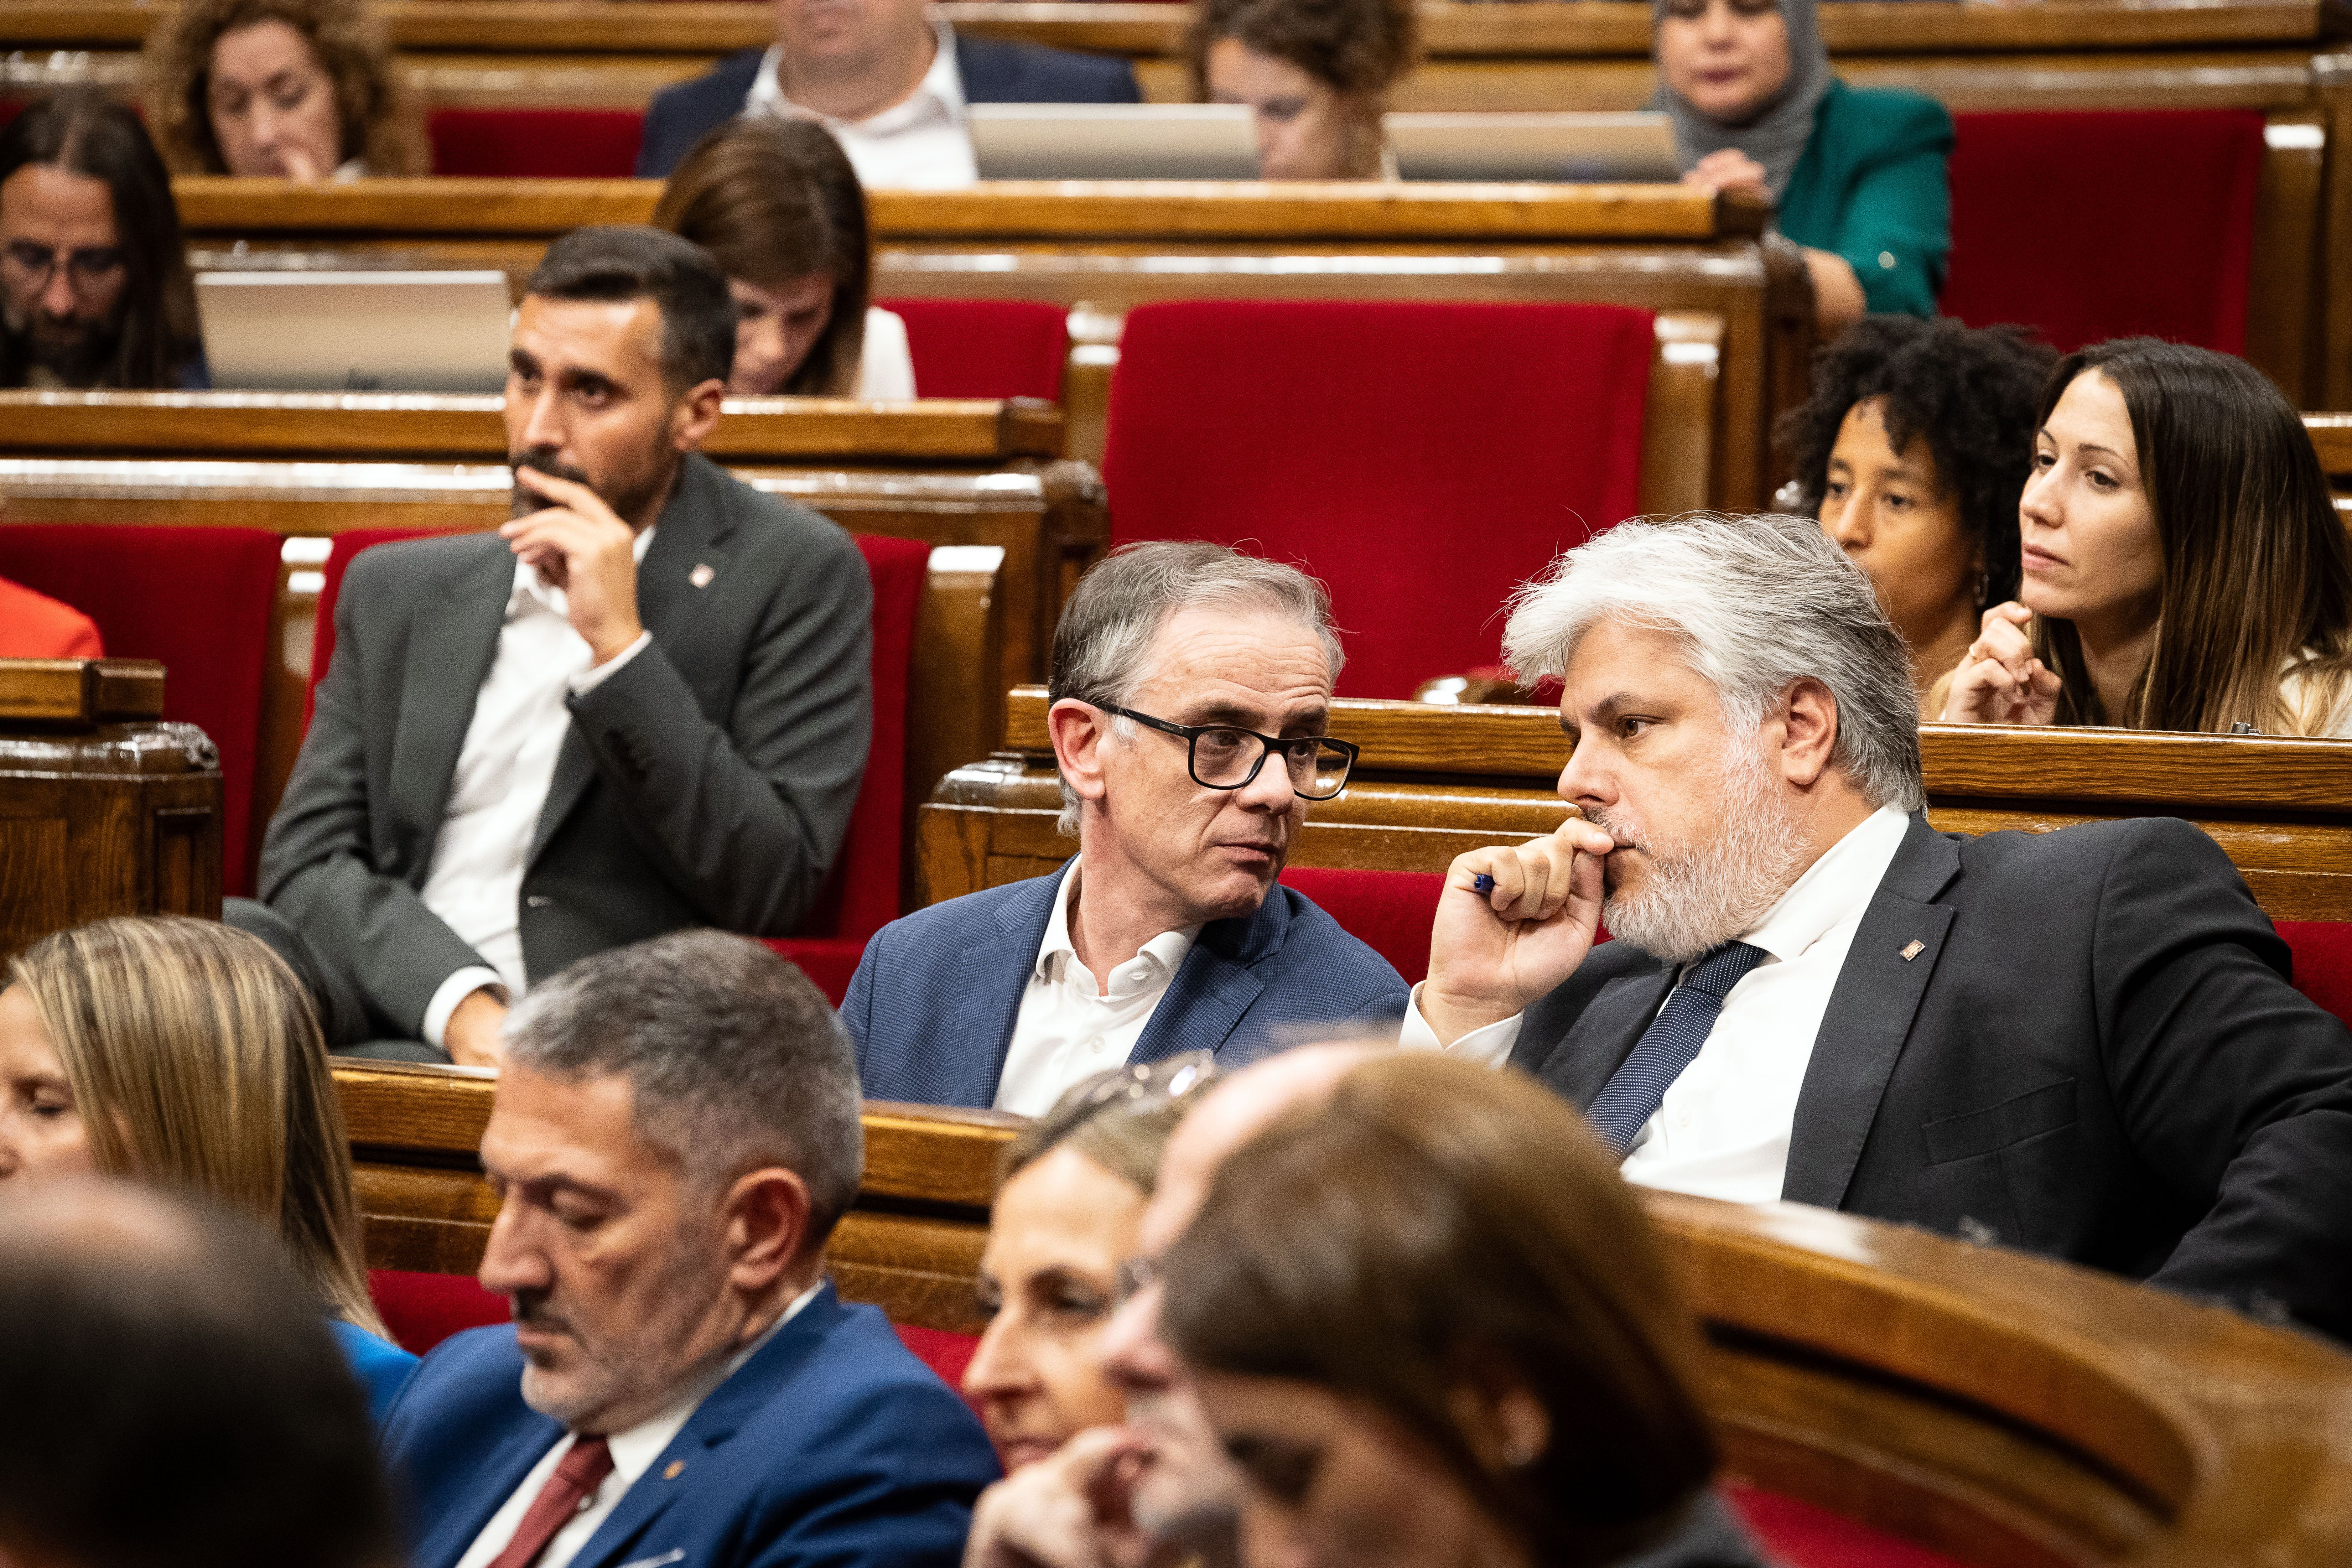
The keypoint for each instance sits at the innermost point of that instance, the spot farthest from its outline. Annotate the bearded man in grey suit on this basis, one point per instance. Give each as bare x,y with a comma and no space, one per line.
642,704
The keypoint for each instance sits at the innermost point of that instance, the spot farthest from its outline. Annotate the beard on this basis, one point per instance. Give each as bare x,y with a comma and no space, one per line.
1698,896
629,495
619,1374
78,354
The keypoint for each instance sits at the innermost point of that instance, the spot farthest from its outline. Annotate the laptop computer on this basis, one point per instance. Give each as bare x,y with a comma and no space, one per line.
355,331
1615,148
1113,140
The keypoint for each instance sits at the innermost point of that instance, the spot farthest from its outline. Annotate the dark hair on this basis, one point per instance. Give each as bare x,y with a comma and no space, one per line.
774,201
2257,568
1440,1225
174,1399
83,131
733,1058
1356,47
379,126
1970,393
619,262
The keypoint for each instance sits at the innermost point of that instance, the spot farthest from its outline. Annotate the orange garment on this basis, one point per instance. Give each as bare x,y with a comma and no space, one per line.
33,626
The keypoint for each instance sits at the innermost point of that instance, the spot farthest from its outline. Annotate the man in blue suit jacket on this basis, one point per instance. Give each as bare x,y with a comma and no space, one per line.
877,72
675,1134
1192,688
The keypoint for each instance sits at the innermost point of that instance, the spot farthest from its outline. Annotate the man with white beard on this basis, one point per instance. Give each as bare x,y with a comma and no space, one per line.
2082,1043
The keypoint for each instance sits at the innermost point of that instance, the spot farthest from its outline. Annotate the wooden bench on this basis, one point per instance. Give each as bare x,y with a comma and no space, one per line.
103,811
1433,782
2004,1409
1735,331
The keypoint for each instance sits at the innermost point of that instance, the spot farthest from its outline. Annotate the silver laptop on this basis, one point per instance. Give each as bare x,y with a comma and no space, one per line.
1615,148
354,332
1113,140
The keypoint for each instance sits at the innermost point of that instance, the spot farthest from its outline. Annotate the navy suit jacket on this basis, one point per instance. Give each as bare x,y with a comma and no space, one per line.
995,70
933,1004
2083,1044
833,1445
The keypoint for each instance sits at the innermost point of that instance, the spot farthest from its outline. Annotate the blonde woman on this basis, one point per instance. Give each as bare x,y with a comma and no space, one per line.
183,1054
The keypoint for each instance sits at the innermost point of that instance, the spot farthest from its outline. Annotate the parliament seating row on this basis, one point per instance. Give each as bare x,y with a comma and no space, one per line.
2280,58
1880,1393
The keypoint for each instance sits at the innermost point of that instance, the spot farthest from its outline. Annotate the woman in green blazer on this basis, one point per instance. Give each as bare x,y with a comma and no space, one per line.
1859,175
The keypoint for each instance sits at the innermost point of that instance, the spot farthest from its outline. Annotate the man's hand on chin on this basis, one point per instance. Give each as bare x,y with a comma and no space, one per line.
582,546
1492,952
471,1035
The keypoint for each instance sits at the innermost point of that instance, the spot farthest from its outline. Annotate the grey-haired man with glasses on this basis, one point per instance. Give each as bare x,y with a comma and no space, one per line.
1192,696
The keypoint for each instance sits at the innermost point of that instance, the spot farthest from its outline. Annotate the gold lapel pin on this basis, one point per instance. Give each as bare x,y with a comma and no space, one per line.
678,1467
701,575
1913,949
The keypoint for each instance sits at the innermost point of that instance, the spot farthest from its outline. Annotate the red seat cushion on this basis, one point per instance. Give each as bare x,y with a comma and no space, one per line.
1389,911
1423,459
945,1353
423,1309
537,144
2323,961
2028,247
862,894
1804,1536
199,599
985,348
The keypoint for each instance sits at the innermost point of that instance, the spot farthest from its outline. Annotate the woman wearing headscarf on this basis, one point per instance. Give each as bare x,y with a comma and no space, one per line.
1858,175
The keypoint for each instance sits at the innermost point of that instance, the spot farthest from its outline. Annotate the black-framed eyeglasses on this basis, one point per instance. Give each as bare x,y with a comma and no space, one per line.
1226,756
85,268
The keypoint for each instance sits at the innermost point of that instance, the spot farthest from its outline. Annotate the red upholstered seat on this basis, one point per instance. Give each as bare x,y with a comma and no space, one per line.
2029,245
1389,911
199,599
1423,459
2323,961
537,144
862,894
985,348
423,1309
1803,1536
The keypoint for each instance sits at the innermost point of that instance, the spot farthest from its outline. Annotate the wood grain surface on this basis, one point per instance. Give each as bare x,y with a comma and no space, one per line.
81,692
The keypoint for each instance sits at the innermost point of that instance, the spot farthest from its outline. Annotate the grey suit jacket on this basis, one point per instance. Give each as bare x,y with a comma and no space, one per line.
708,783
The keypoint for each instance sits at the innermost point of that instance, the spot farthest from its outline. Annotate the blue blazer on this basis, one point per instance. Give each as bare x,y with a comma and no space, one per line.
933,1004
995,70
833,1445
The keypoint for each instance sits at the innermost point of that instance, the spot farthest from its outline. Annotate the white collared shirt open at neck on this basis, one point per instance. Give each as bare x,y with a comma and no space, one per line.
918,144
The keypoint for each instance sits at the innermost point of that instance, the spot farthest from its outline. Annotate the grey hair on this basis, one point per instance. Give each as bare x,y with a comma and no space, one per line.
1760,603
1103,643
733,1058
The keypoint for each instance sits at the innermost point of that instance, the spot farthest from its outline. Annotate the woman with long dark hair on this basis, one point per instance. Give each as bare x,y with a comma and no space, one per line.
2183,567
94,290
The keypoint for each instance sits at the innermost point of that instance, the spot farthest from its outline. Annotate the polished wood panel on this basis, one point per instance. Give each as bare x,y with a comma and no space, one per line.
103,810
1998,1407
1433,782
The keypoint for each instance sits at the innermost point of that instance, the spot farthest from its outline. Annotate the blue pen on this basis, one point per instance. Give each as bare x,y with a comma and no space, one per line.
1482,883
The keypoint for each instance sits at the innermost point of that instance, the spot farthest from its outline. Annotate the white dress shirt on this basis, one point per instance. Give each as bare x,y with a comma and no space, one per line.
1069,1028
634,1452
504,769
918,144
1723,1129
885,363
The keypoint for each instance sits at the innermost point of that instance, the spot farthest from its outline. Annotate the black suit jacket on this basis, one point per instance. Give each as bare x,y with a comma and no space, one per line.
708,783
2097,1055
995,70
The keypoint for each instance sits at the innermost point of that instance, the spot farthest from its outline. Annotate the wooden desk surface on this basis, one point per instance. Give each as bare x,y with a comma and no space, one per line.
753,430
1578,29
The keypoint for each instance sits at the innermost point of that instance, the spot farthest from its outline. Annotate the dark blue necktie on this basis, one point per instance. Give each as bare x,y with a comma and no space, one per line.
1638,1086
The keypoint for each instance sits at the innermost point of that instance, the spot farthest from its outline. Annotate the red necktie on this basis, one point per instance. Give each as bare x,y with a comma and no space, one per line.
577,1476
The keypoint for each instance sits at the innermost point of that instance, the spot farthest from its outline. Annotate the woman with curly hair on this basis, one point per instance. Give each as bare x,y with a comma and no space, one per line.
294,89
1911,451
1315,73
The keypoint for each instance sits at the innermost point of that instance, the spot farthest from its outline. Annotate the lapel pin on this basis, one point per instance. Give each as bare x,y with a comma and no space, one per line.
701,575
678,1467
1913,949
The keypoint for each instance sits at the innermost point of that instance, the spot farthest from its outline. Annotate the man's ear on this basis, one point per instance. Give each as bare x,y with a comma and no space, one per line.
765,1227
1079,729
697,414
1809,732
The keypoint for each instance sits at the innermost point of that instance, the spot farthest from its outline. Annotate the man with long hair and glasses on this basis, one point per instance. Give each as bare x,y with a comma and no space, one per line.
94,292
1191,709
